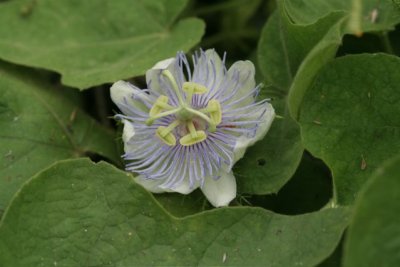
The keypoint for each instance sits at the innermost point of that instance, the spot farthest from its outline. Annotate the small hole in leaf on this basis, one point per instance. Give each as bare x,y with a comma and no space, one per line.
261,162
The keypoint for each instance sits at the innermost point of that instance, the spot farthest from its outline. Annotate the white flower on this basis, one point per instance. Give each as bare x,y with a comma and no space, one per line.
188,129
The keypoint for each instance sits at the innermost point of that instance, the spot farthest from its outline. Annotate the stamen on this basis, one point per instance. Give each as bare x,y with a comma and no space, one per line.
160,104
169,128
150,120
171,78
189,140
192,129
165,133
194,87
214,108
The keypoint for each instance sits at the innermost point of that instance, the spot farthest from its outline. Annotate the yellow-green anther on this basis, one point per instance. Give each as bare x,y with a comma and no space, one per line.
189,140
160,104
192,129
150,120
195,88
168,138
171,78
191,88
214,109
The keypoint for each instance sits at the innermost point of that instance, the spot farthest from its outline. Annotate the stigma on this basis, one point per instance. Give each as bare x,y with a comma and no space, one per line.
190,124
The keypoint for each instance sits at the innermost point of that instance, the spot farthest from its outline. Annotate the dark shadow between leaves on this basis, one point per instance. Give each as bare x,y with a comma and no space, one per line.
309,190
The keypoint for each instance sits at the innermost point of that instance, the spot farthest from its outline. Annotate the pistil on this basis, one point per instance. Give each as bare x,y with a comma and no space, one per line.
184,113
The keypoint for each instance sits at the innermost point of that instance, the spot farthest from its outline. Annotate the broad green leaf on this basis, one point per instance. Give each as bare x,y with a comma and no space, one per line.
271,162
77,213
326,49
283,46
180,205
94,41
349,118
323,52
39,126
374,235
371,15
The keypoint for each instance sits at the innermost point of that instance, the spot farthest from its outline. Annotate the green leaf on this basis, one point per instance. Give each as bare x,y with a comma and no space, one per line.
77,213
271,162
95,41
374,234
323,52
282,48
39,126
350,20
309,11
180,205
348,118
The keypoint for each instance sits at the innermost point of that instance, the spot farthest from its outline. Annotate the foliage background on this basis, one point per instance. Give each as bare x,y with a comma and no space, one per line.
329,163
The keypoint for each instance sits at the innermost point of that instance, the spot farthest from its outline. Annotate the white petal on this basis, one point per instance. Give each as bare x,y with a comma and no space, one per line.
129,131
184,187
209,63
153,74
246,79
124,94
163,64
127,135
220,192
150,184
243,142
155,186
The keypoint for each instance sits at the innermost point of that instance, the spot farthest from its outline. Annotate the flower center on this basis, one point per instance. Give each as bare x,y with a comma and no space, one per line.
190,121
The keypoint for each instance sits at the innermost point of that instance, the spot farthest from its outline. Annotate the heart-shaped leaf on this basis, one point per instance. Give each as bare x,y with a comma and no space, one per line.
374,234
349,118
282,48
77,213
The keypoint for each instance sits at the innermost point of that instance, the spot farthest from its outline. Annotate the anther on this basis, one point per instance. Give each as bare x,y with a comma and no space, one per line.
165,133
191,88
214,109
189,140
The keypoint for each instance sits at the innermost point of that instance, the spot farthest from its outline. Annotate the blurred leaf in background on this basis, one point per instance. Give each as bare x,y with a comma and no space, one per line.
93,42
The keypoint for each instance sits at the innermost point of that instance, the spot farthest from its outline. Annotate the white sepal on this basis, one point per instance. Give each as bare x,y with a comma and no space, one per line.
220,192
